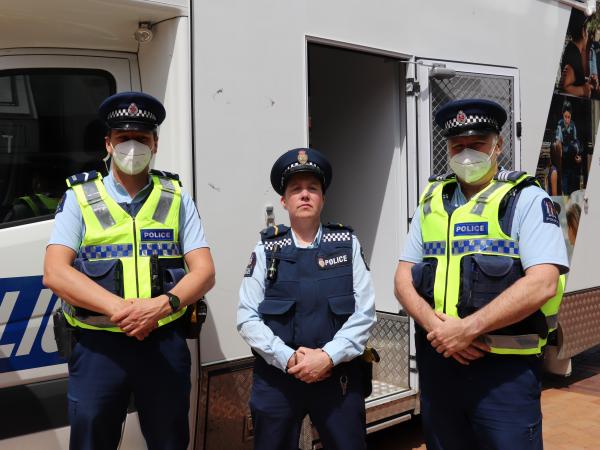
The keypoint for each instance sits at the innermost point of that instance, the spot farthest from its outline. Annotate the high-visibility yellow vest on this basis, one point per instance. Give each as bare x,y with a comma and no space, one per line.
474,260
138,242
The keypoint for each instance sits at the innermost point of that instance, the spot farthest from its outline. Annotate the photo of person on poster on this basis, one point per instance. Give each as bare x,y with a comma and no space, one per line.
565,157
548,171
569,147
580,59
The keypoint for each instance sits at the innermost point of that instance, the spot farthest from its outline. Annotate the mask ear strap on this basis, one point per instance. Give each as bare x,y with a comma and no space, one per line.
494,146
106,159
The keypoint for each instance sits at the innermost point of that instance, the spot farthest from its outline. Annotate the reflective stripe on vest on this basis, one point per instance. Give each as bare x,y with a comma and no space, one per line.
473,229
110,233
98,204
167,195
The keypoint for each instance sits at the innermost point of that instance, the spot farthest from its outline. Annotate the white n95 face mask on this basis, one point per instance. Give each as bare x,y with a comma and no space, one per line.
131,156
471,165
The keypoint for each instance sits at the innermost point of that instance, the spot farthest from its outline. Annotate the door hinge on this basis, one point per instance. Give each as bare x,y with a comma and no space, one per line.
519,129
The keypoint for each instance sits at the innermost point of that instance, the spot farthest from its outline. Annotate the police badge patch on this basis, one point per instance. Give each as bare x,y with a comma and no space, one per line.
549,212
251,264
332,261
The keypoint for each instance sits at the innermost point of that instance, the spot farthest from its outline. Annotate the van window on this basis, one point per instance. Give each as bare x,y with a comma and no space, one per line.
49,130
472,85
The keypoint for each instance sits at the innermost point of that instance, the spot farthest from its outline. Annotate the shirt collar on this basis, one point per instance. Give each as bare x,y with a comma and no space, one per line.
315,242
458,198
111,183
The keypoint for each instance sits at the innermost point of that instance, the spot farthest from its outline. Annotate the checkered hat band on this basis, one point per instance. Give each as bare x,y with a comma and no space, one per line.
498,246
470,120
106,251
337,237
124,113
296,164
434,248
160,249
269,245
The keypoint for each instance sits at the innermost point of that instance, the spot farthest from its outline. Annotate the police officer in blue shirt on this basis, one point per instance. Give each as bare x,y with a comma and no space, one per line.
481,275
117,238
306,309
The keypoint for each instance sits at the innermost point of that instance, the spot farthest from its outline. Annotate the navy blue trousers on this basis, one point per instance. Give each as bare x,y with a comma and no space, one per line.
492,404
106,368
279,402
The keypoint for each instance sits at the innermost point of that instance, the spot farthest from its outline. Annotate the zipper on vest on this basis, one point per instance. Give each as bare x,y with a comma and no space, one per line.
135,258
448,250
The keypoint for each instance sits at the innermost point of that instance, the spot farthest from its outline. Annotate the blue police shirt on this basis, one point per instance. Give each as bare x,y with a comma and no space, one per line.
348,342
540,238
69,227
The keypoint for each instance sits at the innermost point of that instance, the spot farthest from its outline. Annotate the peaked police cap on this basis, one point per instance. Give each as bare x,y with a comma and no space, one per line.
300,160
132,111
470,117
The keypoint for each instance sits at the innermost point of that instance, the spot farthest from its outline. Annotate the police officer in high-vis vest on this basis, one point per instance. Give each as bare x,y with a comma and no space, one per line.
126,256
481,274
306,309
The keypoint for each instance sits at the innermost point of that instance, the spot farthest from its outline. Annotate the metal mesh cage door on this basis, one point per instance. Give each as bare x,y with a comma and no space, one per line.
471,85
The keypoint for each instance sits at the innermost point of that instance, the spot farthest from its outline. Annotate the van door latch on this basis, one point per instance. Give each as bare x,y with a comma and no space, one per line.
412,87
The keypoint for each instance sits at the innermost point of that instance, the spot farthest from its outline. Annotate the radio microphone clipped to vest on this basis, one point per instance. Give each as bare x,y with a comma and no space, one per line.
272,271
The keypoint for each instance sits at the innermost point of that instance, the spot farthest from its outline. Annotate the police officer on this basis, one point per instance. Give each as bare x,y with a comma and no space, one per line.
116,258
481,275
306,309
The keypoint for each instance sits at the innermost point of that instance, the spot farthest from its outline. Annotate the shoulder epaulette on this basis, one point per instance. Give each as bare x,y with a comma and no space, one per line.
82,177
273,232
165,174
275,235
444,177
338,227
336,232
509,175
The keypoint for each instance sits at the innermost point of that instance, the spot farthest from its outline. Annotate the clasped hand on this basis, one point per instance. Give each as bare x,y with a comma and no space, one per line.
138,317
310,365
452,337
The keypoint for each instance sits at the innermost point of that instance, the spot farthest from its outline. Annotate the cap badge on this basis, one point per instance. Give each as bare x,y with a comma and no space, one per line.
302,157
133,109
461,117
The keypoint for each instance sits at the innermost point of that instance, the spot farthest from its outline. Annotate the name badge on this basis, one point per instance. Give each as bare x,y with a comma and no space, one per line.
470,228
157,235
330,262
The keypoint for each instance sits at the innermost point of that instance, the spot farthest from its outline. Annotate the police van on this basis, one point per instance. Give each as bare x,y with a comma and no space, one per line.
242,82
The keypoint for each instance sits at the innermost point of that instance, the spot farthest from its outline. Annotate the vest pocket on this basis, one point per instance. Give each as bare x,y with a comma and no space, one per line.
278,315
171,277
108,273
423,275
341,307
483,278
165,273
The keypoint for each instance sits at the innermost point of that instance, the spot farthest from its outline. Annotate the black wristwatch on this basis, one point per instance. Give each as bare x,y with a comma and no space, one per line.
174,301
